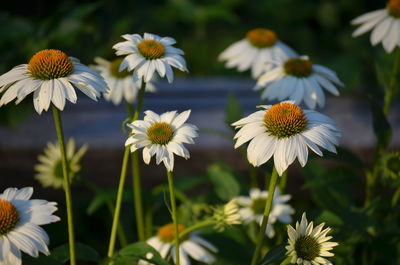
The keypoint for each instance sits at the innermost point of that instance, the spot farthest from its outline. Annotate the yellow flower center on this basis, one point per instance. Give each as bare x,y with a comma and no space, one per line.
9,217
160,133
151,49
307,248
284,120
50,64
258,205
261,38
167,233
298,67
114,69
393,7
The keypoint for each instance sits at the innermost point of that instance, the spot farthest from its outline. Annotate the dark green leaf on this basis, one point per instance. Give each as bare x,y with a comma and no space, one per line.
330,219
233,110
104,196
382,129
275,256
224,181
142,251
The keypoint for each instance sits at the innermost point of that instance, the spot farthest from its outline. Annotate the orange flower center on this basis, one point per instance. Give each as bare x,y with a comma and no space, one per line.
151,49
167,232
261,38
285,120
160,133
9,217
298,67
114,69
50,64
393,7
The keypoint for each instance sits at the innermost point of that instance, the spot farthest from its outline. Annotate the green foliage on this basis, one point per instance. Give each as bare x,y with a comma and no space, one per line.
137,251
275,256
233,110
224,182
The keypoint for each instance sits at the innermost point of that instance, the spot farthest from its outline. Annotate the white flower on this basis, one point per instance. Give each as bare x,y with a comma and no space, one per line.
384,23
52,76
298,79
145,56
162,135
191,245
309,245
227,215
285,131
253,208
121,84
260,46
20,220
49,170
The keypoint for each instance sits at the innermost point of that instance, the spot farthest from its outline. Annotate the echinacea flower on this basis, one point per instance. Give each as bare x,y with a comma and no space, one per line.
252,208
49,170
227,215
163,136
260,46
149,54
285,131
298,79
20,220
121,84
309,245
52,76
384,23
191,245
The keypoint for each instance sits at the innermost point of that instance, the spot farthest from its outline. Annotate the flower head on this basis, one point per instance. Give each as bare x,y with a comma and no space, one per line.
227,215
148,54
260,46
309,244
162,135
121,84
384,23
298,79
284,131
20,220
252,208
52,76
191,245
49,170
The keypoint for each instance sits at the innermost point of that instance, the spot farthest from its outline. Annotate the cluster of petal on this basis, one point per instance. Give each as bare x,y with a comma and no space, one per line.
281,211
320,131
385,28
120,88
18,83
27,235
227,215
276,84
49,169
316,233
145,68
181,133
243,55
194,246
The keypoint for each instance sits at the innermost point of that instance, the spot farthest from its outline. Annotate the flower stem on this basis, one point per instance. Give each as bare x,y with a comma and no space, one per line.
267,210
391,90
196,227
283,182
67,188
174,214
122,179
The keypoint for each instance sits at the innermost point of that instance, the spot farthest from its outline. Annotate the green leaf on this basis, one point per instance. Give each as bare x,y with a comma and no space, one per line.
330,219
233,111
142,251
275,256
382,129
381,77
104,196
224,182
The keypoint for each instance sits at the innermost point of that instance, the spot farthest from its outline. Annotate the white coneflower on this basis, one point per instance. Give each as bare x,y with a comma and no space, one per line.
298,79
52,76
227,215
20,220
121,84
285,131
49,170
191,245
163,136
252,208
260,46
148,54
384,23
309,245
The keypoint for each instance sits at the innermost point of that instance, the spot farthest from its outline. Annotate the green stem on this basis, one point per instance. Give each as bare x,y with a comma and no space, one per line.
122,179
267,210
283,182
67,188
391,90
174,214
196,227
